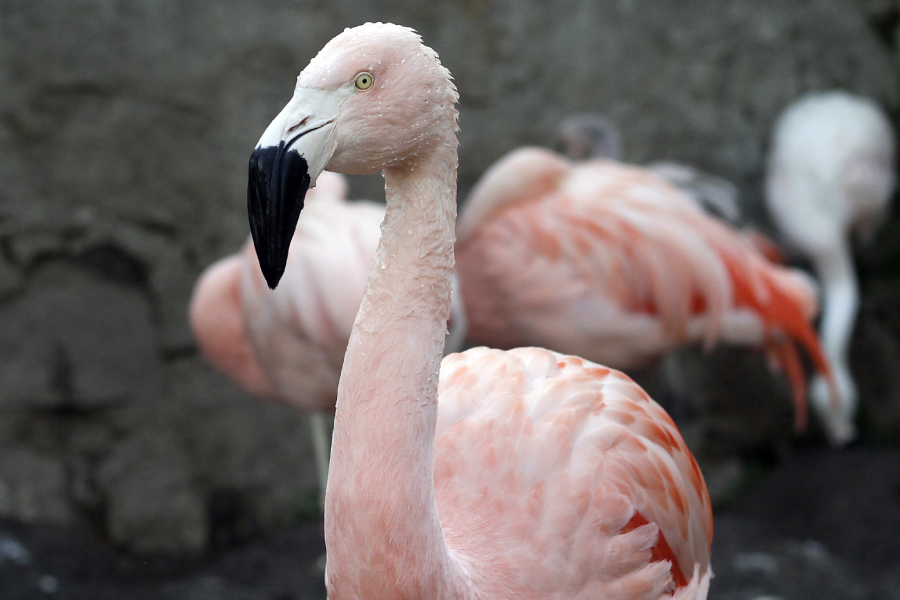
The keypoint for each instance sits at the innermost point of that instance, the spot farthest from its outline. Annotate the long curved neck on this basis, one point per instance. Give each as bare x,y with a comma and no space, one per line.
382,529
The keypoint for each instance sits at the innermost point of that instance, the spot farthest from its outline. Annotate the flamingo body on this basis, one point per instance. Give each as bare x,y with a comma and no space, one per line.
830,175
831,170
614,264
523,473
584,136
288,344
611,478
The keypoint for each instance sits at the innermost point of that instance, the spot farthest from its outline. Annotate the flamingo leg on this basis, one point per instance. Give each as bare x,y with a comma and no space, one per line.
840,306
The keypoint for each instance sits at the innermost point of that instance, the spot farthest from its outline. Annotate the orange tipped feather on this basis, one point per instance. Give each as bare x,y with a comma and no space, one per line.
783,311
660,551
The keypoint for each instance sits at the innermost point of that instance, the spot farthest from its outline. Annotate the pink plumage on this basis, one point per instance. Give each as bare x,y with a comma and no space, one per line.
608,457
296,335
611,262
524,473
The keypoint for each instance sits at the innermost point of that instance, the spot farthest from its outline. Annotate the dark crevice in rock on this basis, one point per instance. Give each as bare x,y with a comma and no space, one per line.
114,264
886,24
106,260
85,493
75,88
232,519
6,250
39,259
71,410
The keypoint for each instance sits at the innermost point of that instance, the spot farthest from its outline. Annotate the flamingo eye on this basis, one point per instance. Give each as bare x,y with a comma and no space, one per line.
364,81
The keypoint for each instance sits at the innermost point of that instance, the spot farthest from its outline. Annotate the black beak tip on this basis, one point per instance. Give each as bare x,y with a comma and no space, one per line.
272,276
278,182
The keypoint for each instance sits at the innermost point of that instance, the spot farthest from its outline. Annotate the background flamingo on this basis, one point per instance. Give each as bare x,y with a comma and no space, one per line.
288,344
534,474
586,136
831,175
615,264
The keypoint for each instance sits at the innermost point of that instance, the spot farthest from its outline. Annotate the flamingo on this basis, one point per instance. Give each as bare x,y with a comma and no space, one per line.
586,136
613,263
288,345
493,474
831,174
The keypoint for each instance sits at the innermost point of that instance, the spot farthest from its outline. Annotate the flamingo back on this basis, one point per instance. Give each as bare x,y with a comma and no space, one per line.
557,475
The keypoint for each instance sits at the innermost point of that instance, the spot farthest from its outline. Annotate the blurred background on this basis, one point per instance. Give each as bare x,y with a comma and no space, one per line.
130,469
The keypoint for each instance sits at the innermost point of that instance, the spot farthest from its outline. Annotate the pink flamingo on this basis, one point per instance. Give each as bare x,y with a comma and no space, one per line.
830,175
522,474
613,263
288,344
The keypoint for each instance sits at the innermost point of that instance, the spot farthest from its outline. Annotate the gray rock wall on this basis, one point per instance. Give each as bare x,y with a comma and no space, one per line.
125,128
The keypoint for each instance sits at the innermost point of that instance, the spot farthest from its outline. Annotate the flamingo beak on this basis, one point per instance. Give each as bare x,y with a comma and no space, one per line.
292,152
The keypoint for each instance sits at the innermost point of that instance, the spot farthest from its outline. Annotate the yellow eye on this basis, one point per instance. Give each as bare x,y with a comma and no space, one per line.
364,81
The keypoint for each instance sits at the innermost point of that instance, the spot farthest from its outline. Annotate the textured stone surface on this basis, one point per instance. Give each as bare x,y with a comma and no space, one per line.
76,340
155,509
33,487
125,128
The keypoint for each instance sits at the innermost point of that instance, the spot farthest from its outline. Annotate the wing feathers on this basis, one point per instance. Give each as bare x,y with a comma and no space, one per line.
575,452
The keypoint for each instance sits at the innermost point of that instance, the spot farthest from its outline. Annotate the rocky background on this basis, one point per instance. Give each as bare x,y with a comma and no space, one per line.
125,129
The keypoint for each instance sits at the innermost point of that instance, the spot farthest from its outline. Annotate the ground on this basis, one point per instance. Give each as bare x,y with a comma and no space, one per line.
821,524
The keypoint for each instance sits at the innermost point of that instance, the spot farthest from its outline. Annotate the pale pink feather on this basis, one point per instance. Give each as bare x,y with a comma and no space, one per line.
541,457
300,330
217,322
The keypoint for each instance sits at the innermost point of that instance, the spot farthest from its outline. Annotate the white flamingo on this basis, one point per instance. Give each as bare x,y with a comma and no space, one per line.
831,175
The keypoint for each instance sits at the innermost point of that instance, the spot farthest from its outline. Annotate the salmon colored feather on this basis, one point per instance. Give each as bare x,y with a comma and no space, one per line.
611,262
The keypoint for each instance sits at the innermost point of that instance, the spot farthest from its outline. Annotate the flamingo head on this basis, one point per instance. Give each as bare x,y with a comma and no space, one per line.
373,98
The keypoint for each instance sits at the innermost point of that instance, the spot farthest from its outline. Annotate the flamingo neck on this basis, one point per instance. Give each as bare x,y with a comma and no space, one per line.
382,530
840,303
